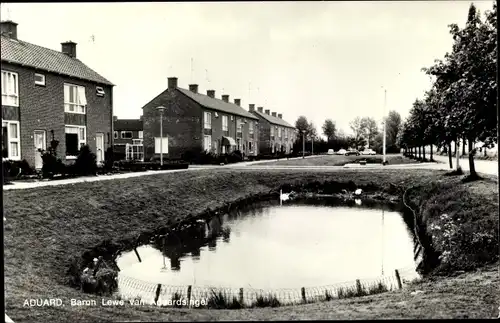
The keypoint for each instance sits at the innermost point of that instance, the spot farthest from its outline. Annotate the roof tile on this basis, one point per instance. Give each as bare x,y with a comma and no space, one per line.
274,120
24,53
217,104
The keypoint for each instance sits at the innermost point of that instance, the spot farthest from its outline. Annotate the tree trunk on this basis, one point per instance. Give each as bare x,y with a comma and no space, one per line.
449,155
472,167
419,152
423,149
457,154
432,159
463,146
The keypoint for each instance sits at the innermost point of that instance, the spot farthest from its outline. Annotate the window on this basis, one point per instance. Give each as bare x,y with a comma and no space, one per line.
208,120
250,127
250,146
279,132
74,99
207,143
126,134
286,133
99,91
10,140
239,124
10,89
224,123
75,138
115,133
163,143
141,134
39,79
272,132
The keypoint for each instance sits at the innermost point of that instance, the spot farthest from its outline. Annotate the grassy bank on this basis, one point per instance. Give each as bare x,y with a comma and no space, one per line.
47,227
337,160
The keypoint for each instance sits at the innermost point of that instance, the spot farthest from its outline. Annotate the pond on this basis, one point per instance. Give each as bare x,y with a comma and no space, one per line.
268,246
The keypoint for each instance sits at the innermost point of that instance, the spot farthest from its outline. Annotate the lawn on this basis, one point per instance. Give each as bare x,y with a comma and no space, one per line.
340,160
47,228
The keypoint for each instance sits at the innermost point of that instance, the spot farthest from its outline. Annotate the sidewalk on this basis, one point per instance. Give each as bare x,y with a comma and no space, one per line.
25,185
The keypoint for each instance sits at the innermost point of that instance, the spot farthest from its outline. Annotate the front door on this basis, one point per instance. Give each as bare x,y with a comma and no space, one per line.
40,143
99,147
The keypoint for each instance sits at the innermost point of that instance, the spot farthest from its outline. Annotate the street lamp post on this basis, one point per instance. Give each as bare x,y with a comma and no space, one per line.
312,146
384,121
161,109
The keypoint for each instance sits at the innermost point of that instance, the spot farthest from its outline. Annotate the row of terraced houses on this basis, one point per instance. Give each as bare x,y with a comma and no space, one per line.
49,94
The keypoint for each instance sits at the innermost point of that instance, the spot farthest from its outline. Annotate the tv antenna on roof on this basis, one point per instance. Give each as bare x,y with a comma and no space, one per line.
192,70
206,77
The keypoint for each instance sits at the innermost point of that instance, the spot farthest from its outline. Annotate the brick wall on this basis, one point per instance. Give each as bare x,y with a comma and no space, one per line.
182,124
42,108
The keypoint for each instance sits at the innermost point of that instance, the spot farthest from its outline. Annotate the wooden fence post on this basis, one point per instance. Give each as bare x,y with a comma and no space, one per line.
189,295
137,254
241,296
157,296
303,291
398,278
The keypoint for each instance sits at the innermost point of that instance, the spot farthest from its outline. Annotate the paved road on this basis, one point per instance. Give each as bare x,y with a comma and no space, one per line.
489,167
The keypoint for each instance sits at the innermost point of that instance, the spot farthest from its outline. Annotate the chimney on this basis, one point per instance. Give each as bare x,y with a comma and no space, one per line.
267,111
225,98
259,109
274,114
251,107
69,48
193,88
115,118
280,116
9,29
172,83
237,102
211,93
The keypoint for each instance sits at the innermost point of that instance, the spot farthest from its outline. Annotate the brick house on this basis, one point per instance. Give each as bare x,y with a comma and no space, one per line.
275,134
49,94
194,121
128,136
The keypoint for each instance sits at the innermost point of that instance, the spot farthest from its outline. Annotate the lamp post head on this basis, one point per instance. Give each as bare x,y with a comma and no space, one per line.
161,108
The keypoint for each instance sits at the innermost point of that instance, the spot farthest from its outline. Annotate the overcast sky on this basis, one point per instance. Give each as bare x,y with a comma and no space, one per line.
318,59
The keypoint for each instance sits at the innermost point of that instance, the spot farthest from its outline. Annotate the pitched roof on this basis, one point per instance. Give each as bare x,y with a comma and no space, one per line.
127,124
27,54
216,104
273,120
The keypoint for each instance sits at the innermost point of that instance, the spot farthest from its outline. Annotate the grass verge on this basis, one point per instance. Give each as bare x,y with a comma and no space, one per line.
338,160
47,227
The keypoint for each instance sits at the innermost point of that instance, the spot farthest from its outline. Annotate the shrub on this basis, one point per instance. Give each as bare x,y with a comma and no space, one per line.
85,163
51,164
109,159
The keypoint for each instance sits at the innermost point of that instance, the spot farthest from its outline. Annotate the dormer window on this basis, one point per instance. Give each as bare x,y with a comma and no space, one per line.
39,79
99,91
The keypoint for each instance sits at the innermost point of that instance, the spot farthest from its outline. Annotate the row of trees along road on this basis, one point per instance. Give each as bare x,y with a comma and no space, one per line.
366,132
462,102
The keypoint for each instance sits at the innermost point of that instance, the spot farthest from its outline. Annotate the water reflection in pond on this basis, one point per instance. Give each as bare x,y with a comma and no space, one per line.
270,246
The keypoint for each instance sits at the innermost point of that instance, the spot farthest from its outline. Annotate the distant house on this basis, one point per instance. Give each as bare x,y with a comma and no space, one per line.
275,134
194,122
128,137
48,95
